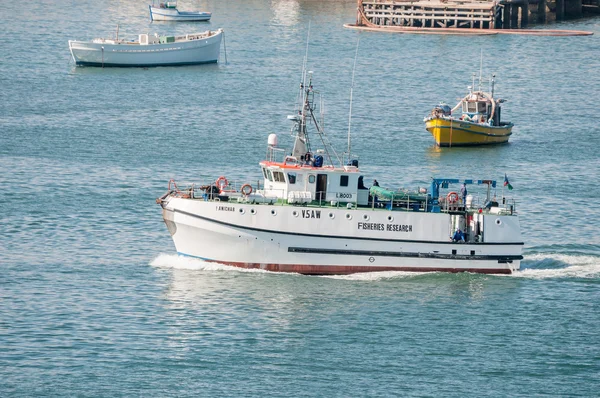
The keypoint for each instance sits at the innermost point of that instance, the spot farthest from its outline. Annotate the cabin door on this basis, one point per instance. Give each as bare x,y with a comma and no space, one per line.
321,186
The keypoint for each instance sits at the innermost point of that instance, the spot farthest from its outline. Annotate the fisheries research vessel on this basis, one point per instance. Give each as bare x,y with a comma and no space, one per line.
312,214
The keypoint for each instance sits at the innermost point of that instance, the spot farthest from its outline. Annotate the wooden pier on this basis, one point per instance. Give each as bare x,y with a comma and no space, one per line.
428,14
468,14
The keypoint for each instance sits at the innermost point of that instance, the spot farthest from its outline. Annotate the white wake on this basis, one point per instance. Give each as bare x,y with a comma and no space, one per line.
174,261
556,265
376,276
539,266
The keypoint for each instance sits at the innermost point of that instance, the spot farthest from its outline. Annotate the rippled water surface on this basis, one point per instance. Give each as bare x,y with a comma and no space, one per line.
94,301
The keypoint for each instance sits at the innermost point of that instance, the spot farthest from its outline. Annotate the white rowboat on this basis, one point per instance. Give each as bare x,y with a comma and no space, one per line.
168,12
149,50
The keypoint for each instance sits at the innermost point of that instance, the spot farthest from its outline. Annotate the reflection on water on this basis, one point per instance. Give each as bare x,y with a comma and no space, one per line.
198,284
285,12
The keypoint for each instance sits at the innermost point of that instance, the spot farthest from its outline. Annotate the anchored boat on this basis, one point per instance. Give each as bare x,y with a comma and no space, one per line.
149,50
475,120
168,11
311,213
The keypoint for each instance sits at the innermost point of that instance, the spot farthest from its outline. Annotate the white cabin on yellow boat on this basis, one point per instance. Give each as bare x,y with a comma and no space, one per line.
475,120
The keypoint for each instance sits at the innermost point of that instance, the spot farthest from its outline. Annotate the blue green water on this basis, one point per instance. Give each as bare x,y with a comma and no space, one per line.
95,302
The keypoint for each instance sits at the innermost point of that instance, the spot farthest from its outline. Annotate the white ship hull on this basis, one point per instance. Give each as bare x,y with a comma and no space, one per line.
123,54
172,14
313,240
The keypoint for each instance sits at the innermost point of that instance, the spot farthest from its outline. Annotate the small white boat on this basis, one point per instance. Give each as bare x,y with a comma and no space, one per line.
149,50
168,11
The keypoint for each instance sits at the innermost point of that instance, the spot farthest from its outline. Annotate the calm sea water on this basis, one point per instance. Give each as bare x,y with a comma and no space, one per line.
94,301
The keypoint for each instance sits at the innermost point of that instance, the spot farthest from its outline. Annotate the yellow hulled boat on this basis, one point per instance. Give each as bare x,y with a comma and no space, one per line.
475,120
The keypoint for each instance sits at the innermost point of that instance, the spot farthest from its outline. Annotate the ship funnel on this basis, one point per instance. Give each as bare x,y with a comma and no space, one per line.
272,141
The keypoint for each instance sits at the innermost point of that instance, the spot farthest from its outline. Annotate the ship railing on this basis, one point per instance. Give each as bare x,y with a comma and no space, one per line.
238,191
503,205
209,189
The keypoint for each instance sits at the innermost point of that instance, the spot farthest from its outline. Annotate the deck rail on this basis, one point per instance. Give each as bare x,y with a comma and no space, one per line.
400,201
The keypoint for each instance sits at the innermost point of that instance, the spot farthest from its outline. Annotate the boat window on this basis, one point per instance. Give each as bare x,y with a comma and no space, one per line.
311,178
482,107
278,176
343,181
472,107
292,178
265,173
269,175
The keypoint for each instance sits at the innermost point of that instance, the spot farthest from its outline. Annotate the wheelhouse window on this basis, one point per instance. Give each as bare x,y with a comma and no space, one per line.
311,179
265,174
472,107
278,176
292,178
269,175
343,181
482,106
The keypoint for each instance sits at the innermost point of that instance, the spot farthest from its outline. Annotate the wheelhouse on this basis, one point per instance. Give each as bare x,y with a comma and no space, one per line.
298,183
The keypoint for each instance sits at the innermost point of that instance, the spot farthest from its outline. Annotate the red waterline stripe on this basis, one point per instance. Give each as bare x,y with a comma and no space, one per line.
352,269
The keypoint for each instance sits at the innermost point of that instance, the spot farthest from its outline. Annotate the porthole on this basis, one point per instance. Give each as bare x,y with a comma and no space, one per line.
331,215
366,217
273,212
390,218
295,213
348,216
498,221
252,211
242,211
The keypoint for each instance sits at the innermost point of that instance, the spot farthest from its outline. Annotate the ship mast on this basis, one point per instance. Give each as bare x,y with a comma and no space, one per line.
301,144
350,112
480,69
305,114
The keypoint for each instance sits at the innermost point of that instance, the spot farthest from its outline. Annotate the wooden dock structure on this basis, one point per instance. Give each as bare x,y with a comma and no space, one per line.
468,14
428,14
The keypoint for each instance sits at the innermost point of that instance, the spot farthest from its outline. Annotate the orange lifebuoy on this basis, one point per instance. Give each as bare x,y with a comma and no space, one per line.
452,197
246,189
222,183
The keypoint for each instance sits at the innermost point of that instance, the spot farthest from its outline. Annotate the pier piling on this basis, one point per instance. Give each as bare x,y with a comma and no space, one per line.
541,11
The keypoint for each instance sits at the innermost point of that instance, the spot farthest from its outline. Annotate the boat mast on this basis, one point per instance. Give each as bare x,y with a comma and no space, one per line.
309,111
350,112
480,69
305,114
301,145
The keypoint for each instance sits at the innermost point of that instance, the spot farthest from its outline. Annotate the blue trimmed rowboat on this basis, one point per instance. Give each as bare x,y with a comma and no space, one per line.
168,12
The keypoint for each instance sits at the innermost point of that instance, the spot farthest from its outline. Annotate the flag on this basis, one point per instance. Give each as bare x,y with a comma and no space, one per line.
506,183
